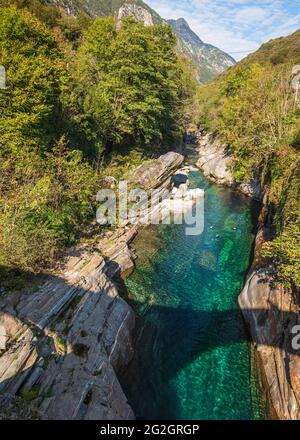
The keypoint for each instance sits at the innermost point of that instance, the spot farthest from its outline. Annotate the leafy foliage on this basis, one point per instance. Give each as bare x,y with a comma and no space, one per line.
69,27
84,100
45,188
129,83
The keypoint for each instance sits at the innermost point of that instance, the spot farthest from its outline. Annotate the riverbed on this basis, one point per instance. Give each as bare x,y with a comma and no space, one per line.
193,356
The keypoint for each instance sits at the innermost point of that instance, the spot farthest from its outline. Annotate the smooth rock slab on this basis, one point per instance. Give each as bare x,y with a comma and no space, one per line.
72,342
271,313
215,163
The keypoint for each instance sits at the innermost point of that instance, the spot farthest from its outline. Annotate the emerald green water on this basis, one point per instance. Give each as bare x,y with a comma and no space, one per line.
193,359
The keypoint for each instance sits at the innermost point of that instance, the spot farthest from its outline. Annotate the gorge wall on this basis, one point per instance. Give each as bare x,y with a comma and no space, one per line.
271,312
214,161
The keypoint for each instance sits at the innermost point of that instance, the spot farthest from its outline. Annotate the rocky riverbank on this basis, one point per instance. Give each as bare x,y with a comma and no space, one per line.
64,343
269,309
215,160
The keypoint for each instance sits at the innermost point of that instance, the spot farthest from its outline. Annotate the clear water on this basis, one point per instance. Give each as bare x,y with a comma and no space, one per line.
193,359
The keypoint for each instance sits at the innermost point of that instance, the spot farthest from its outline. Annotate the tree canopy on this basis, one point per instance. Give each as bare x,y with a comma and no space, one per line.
78,90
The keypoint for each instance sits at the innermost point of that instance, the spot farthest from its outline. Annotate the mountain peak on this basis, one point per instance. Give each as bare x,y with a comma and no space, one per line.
180,21
210,60
181,27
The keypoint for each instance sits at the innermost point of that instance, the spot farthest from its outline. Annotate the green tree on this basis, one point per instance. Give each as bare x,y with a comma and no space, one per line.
45,186
129,83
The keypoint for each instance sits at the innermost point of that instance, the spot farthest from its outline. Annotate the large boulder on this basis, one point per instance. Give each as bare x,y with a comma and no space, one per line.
153,173
271,313
68,341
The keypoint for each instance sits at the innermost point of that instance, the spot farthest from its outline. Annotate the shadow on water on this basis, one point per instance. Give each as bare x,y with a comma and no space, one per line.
163,351
191,347
193,357
171,340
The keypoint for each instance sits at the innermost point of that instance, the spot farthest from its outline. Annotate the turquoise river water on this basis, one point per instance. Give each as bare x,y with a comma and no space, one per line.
193,358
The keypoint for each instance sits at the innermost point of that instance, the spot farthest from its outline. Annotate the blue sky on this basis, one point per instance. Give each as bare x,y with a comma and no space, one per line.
234,25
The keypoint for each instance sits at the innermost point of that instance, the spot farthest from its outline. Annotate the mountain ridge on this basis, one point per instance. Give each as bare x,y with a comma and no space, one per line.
208,59
212,60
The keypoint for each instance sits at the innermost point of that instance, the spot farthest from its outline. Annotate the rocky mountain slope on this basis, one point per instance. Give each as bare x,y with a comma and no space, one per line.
209,60
104,8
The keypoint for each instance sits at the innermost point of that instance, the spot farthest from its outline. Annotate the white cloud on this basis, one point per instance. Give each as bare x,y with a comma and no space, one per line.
234,25
250,15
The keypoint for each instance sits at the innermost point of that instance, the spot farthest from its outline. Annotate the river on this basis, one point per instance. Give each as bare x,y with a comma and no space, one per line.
193,358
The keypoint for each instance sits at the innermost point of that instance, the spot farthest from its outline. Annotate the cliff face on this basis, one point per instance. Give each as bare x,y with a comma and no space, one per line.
271,313
215,160
138,12
211,60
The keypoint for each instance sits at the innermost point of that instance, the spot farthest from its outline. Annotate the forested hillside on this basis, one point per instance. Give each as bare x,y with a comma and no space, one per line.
82,99
252,107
